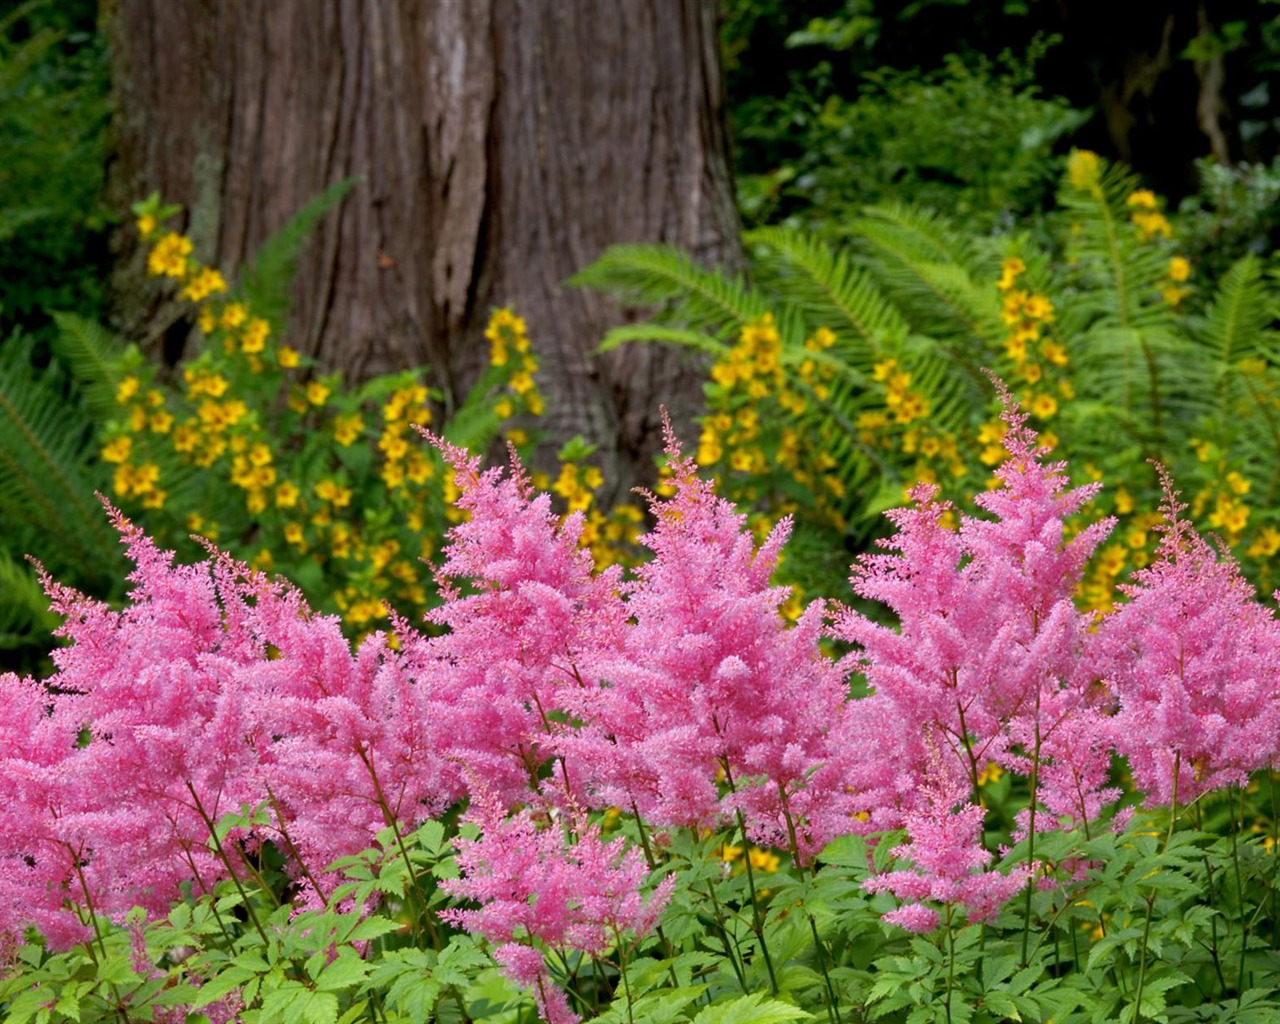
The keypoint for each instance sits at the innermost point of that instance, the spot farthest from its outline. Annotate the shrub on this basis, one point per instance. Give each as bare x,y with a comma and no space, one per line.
560,787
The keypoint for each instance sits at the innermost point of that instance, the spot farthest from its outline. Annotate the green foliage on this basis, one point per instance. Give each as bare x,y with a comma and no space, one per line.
53,115
972,137
1165,920
1120,348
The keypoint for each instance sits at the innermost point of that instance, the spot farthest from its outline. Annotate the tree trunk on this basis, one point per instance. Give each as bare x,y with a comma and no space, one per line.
501,145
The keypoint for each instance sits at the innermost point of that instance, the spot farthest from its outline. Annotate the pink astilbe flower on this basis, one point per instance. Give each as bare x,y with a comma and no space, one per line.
152,686
1197,669
533,887
944,845
37,870
720,689
210,690
523,649
347,743
990,660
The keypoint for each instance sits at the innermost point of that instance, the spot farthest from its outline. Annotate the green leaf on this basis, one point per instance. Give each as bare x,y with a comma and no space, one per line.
750,1009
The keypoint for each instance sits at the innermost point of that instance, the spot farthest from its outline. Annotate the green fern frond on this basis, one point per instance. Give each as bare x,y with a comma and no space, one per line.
1236,325
25,618
627,333
267,283
828,287
659,275
47,478
94,357
1117,274
944,285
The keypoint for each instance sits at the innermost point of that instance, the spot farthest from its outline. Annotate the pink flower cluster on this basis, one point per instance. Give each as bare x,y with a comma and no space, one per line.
680,694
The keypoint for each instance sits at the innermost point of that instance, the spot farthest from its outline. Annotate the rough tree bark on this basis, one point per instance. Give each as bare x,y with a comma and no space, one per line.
502,145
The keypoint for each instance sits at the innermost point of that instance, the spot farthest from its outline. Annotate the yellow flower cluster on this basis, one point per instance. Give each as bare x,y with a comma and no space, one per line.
403,462
611,538
1084,171
904,405
1037,355
1174,291
1145,215
362,527
508,338
753,365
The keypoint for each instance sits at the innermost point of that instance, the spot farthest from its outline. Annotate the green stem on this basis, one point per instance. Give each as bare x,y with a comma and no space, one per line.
226,861
757,923
1151,897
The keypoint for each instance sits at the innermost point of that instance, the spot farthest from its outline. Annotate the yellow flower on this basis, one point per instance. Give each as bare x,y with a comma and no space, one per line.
287,494
1237,483
185,438
255,502
255,336
233,315
1143,199
1038,307
207,282
1042,405
1124,502
169,257
127,389
118,450
393,475
260,454
347,429
394,446
1266,544
991,772
1010,268
161,421
1082,168
207,322
763,860
146,225
155,499
287,357
1179,268
317,392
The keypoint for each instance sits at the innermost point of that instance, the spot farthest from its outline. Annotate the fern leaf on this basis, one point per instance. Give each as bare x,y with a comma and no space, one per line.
93,357
627,333
829,288
658,275
46,451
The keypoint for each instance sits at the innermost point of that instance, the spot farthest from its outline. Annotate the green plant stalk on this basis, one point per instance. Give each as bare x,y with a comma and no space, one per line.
1151,898
725,937
226,861
1031,836
833,1009
1235,860
757,924
417,897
